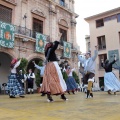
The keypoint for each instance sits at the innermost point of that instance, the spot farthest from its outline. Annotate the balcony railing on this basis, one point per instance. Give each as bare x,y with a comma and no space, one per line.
27,32
101,47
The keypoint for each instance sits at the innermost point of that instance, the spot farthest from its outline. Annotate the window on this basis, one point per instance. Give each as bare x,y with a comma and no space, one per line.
110,18
5,14
64,34
37,26
102,56
99,23
118,17
101,43
62,2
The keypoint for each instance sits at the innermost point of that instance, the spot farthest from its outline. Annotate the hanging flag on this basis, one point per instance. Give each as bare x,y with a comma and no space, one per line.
7,35
112,54
67,49
40,42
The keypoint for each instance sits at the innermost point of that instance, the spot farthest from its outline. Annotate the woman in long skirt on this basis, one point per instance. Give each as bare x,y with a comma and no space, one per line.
13,85
53,82
112,84
71,83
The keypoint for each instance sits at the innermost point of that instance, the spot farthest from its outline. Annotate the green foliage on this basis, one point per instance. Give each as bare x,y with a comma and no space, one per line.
75,77
23,65
37,75
65,76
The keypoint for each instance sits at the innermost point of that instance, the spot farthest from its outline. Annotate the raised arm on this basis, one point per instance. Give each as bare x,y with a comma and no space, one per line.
38,67
113,62
17,64
95,53
56,43
115,59
82,60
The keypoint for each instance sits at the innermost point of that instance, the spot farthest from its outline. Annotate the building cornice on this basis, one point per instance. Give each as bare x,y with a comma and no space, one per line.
102,14
38,12
13,2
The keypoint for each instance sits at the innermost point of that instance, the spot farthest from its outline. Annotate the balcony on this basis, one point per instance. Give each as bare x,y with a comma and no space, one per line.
27,32
63,4
101,47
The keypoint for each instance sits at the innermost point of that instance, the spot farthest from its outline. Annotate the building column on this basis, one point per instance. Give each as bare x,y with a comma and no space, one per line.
52,21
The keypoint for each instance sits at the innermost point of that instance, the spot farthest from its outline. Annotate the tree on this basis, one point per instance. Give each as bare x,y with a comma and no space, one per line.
65,76
23,65
76,77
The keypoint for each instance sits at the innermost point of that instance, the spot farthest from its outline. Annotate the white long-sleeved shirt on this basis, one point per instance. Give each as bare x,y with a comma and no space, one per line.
70,74
13,70
89,63
41,68
29,75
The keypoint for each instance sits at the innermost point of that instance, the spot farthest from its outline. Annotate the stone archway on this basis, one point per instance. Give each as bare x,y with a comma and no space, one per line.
31,66
5,60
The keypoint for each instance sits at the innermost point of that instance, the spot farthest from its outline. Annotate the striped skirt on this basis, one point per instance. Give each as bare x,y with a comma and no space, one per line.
53,82
13,86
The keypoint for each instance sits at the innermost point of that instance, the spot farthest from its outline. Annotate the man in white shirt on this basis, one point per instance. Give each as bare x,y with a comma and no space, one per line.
30,80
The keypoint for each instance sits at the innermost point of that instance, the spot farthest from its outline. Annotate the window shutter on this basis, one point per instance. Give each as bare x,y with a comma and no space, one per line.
5,14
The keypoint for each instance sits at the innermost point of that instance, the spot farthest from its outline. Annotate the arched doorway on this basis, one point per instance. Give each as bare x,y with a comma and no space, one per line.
5,60
31,66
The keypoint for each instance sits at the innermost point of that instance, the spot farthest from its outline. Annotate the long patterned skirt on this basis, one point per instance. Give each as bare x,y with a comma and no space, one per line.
71,84
53,82
13,86
111,82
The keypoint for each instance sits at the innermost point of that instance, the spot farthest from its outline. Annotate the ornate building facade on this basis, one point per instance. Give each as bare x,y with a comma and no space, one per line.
47,17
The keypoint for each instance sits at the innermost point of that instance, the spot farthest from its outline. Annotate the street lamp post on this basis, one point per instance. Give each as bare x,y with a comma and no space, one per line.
25,17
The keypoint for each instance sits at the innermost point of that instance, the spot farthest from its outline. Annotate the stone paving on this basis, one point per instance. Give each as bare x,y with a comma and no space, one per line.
35,107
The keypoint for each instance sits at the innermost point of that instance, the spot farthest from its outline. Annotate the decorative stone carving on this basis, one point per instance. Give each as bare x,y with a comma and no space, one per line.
14,2
24,1
38,12
63,23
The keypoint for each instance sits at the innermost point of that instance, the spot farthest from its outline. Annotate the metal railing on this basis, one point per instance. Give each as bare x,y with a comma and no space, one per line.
101,47
27,32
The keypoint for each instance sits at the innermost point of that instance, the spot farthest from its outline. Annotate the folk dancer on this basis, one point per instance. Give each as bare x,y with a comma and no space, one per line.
41,68
13,84
111,83
30,81
89,69
53,82
70,82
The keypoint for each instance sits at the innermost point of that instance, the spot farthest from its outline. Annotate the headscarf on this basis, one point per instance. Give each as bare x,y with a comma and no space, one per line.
13,62
106,61
48,45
